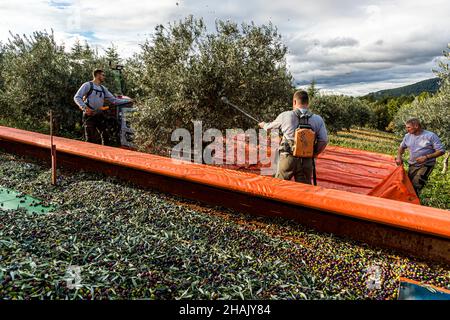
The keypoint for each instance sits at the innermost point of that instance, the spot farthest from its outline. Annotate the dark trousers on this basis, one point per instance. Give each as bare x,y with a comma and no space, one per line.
95,130
299,168
419,176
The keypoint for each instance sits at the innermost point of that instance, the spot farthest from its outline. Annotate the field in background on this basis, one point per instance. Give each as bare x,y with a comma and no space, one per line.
367,139
437,191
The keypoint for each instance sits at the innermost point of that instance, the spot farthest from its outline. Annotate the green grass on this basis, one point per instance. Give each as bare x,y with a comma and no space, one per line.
367,139
437,191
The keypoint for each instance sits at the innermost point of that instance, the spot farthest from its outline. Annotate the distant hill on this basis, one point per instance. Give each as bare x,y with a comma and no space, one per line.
430,85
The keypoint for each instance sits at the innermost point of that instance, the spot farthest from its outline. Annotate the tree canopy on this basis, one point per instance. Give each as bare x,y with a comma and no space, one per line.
182,73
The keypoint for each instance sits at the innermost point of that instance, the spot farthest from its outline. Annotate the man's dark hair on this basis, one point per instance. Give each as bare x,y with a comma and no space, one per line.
414,122
301,96
97,72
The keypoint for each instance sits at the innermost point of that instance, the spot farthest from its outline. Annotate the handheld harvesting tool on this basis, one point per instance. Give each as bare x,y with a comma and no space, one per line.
226,101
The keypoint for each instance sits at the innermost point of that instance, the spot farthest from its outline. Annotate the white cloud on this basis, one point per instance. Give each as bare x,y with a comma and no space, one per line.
346,45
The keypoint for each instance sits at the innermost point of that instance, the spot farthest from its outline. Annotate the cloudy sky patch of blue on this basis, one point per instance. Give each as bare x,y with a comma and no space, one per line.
346,46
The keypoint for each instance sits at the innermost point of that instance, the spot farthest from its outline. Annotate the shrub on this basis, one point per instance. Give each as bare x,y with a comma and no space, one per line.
341,112
381,117
2,66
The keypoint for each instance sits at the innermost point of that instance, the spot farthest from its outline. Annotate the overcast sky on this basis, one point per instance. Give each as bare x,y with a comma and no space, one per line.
351,47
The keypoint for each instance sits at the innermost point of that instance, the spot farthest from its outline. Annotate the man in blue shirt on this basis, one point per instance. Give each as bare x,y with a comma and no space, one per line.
424,147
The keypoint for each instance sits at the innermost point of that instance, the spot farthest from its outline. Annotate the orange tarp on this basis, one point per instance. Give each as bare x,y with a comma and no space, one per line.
396,186
384,211
344,169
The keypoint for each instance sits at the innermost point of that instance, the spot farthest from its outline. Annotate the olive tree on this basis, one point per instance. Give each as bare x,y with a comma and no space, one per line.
341,112
181,74
35,80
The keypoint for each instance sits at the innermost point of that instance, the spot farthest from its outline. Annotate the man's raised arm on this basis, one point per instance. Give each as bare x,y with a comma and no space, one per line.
276,124
111,98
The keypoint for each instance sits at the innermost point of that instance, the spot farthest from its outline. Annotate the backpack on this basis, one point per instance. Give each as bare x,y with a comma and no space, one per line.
91,89
304,137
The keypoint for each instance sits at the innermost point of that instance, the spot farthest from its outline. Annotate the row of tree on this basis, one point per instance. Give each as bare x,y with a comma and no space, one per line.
181,74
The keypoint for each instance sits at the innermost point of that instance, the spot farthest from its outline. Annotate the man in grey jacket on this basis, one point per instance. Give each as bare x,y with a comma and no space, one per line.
289,166
90,98
424,147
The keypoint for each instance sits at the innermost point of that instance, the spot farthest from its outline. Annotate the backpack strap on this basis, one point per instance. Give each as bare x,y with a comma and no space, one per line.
103,91
303,118
91,88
